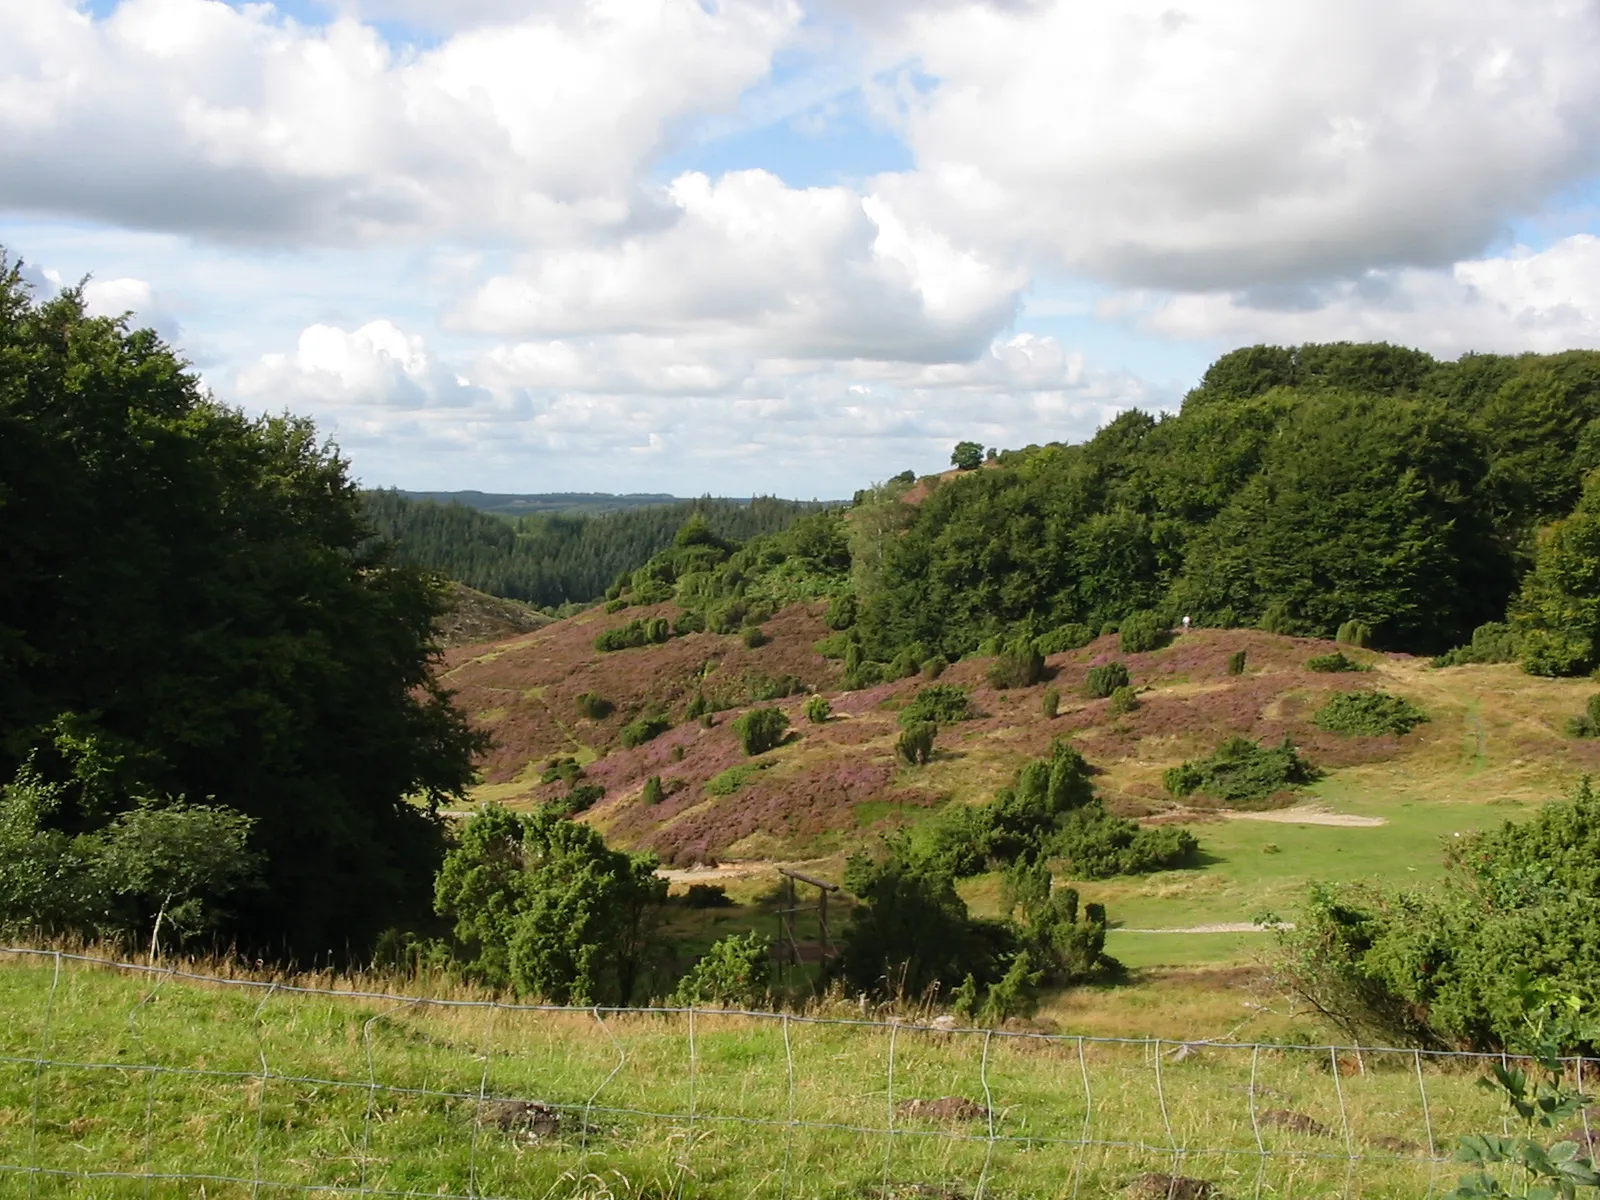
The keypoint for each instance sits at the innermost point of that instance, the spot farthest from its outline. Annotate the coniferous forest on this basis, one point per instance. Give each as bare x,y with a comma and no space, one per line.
555,559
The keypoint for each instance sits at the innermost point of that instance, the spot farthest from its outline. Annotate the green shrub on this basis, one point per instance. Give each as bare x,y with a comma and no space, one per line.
642,729
596,708
1051,811
677,754
653,792
835,645
581,798
755,636
906,663
773,687
1493,642
1277,618
726,617
1063,638
735,973
841,612
818,710
1370,713
1354,633
1051,704
1143,632
761,729
934,667
1019,666
689,622
616,604
505,877
565,769
1587,725
940,703
1239,772
698,706
915,744
707,895
1236,662
1104,680
1333,663
730,781
634,634
1454,966
1124,700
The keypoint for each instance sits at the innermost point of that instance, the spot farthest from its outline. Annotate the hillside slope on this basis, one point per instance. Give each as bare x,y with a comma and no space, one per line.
1494,733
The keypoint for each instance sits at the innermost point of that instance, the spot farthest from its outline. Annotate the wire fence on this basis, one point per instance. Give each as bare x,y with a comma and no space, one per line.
128,1079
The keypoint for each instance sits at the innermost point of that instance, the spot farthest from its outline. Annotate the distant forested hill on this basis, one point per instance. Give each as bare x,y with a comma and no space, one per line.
566,503
552,559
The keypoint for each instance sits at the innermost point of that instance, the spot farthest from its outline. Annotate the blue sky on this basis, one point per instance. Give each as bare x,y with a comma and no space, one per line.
762,246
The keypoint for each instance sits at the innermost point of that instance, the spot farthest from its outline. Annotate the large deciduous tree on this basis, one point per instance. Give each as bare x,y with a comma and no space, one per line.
194,612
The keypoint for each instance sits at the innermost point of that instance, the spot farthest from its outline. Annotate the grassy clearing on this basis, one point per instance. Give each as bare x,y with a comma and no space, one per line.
384,1096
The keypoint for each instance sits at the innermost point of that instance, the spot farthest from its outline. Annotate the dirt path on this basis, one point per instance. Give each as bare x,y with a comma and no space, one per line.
1309,816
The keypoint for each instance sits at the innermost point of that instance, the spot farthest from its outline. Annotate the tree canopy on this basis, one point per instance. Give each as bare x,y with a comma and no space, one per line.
196,617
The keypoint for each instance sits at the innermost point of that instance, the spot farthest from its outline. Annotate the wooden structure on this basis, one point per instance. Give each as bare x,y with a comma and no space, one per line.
790,907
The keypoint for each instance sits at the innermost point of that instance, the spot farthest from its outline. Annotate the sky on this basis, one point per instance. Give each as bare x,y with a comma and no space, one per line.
768,247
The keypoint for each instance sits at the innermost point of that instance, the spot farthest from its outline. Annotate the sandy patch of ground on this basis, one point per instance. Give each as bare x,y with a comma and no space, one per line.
1308,816
743,870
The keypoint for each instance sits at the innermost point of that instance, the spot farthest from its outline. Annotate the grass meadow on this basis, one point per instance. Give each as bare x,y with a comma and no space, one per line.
118,1083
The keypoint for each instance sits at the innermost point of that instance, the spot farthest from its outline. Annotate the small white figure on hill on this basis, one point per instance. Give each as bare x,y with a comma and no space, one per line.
1186,623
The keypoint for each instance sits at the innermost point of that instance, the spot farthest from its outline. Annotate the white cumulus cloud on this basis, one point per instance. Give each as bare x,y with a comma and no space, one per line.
198,116
1199,144
806,272
1540,301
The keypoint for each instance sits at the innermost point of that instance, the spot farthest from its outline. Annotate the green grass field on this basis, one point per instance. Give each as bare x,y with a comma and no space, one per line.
116,1084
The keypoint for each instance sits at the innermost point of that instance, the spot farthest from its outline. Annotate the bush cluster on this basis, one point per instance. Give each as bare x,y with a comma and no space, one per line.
818,710
595,708
1587,725
1050,705
1354,633
761,729
1236,662
1051,811
1494,642
707,895
1142,632
915,743
1450,967
1124,700
735,973
1105,679
1334,663
1371,713
1240,772
634,634
1015,667
643,729
940,703
1062,638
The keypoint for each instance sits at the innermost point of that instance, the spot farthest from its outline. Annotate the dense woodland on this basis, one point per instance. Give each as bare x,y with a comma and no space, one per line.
554,559
1297,490
216,695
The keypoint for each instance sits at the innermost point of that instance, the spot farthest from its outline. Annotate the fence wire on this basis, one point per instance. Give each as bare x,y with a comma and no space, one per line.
123,1079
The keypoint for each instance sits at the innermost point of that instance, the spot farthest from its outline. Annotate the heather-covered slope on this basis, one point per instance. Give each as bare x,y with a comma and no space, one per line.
1492,730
